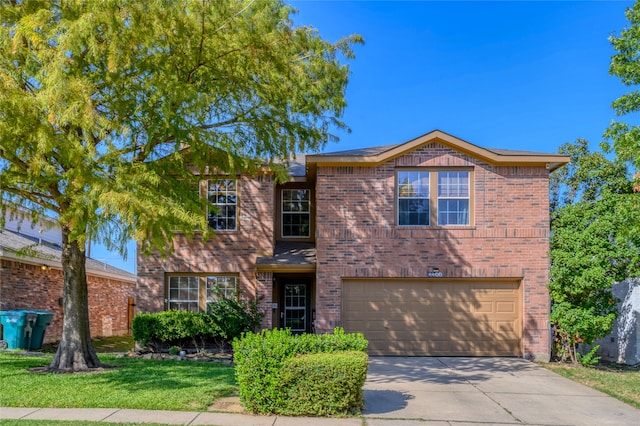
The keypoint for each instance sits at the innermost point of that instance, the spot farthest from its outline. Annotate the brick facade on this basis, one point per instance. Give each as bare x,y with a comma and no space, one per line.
28,286
357,237
232,252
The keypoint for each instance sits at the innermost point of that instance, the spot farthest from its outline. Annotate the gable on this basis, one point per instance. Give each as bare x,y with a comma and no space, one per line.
498,157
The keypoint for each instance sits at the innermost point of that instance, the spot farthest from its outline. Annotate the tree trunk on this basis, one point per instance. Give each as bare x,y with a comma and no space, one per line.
75,352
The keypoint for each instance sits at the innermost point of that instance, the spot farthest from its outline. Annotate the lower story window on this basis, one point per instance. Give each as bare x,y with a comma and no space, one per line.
220,286
184,293
195,292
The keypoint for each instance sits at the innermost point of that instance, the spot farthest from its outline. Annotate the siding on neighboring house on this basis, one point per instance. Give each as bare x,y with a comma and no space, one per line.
28,286
34,280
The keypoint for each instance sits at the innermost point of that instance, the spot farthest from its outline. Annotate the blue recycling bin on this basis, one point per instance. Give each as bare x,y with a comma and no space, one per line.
17,328
39,327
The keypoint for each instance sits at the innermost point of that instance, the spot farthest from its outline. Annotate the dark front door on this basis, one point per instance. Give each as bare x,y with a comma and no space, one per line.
295,306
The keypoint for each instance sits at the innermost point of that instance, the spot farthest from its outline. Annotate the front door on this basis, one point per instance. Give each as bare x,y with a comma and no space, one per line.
295,307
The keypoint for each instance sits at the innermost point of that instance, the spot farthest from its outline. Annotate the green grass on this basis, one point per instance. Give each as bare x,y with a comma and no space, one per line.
113,344
620,383
101,344
137,383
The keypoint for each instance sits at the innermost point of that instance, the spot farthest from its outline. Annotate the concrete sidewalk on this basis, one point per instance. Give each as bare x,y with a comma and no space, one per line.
417,392
166,417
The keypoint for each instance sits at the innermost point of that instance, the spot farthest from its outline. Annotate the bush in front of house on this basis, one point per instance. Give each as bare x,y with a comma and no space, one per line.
232,316
260,359
226,320
172,328
323,384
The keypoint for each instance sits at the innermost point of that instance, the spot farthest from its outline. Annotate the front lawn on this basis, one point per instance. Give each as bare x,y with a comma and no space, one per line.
620,382
137,384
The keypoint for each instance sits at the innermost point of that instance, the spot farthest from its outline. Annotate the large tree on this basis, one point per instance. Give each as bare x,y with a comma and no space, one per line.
624,138
595,213
595,242
109,111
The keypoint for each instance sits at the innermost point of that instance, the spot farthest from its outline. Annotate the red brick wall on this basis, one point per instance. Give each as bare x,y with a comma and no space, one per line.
27,286
357,237
226,252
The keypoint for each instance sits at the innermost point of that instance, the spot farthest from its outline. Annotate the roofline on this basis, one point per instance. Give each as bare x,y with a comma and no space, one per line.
550,161
55,264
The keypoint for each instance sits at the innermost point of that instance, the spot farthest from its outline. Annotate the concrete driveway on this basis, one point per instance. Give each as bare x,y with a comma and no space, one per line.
505,391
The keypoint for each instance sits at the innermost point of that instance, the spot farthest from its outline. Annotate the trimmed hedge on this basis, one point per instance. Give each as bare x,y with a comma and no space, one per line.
172,328
260,359
226,320
325,384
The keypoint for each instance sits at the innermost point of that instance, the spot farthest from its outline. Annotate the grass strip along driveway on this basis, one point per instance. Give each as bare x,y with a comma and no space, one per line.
136,383
620,382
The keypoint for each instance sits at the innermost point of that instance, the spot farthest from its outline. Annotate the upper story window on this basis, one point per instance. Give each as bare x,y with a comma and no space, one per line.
426,197
296,213
413,198
223,194
453,198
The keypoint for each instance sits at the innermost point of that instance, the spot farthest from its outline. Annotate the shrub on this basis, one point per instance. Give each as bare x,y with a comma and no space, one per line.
590,359
173,328
234,316
324,384
226,320
259,360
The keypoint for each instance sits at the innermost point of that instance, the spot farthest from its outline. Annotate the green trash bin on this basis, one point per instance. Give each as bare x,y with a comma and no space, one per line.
17,328
43,319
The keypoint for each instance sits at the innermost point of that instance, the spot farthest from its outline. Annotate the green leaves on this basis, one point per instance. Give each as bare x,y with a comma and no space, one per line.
100,100
261,359
595,241
625,64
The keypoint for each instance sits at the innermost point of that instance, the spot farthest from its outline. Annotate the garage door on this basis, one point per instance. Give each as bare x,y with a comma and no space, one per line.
435,318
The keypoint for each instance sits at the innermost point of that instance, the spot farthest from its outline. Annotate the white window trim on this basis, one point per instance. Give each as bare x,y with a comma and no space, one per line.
433,196
282,213
208,193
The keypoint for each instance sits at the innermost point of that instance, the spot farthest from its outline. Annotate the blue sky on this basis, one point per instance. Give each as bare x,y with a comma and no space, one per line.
520,75
513,75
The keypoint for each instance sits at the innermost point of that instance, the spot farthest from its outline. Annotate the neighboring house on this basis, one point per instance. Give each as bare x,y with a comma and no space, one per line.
431,247
622,345
31,278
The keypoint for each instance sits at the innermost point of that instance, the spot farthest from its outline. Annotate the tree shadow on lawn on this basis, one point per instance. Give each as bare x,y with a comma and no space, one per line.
132,374
163,375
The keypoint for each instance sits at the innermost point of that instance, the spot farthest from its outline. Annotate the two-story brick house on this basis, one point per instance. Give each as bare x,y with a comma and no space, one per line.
430,247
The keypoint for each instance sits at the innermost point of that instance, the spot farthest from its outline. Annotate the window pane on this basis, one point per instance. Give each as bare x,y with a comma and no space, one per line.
453,198
223,195
453,212
453,184
413,198
183,293
296,209
220,286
